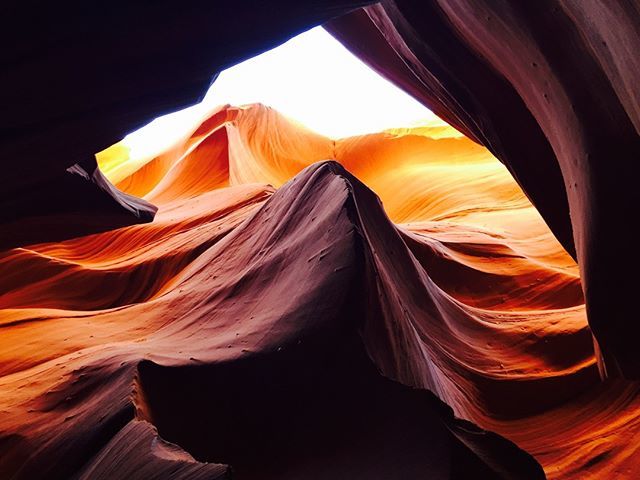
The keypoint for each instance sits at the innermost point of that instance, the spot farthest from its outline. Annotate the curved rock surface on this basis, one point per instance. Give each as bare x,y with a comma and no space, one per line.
550,88
467,295
206,335
209,331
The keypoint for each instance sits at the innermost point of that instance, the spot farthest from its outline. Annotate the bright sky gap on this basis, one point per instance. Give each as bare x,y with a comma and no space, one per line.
311,78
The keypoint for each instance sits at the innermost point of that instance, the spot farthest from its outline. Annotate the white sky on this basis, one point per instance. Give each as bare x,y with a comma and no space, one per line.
311,78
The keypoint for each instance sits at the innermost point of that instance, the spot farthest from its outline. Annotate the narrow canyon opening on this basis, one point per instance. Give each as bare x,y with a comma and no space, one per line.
477,254
304,272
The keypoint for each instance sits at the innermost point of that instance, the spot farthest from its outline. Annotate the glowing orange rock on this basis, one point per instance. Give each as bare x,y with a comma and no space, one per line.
467,295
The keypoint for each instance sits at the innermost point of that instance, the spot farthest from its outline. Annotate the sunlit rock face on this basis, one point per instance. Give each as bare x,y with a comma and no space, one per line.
278,319
551,88
293,303
109,338
548,86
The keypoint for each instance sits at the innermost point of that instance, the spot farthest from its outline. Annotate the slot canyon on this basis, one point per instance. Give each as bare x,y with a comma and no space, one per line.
255,299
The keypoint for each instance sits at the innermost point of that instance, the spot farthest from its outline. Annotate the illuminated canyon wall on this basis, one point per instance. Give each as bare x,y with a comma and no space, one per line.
271,275
250,322
453,283
548,86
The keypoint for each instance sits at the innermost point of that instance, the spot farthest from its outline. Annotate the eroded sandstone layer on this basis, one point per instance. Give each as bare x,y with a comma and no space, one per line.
549,87
280,319
272,320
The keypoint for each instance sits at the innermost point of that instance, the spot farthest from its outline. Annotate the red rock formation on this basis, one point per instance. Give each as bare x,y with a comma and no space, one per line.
221,287
77,78
211,325
100,332
547,87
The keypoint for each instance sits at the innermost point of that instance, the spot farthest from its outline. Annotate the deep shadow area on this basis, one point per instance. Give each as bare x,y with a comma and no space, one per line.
315,410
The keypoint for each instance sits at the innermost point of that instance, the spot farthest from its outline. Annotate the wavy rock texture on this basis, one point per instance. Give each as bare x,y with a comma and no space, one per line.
550,87
273,318
77,78
92,328
250,328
